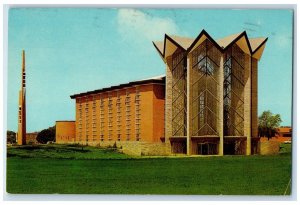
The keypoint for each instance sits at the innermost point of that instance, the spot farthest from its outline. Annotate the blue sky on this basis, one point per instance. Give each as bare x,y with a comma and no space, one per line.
72,50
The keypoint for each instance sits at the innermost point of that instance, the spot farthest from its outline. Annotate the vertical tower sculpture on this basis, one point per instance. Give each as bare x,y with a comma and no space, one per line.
21,135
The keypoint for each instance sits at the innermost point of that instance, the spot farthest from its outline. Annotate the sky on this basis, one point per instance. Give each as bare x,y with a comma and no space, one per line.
73,50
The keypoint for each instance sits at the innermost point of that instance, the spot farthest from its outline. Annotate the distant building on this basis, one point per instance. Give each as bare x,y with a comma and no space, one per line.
284,134
65,132
31,138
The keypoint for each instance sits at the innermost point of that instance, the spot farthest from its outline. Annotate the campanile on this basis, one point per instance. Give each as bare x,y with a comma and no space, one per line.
21,135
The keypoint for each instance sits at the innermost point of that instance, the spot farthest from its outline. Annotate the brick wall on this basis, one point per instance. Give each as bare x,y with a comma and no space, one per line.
134,113
65,132
269,147
133,148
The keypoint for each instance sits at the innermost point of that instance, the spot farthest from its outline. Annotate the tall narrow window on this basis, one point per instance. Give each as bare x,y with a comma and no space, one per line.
101,118
234,92
94,127
87,120
20,114
205,86
110,116
118,104
127,110
137,114
80,121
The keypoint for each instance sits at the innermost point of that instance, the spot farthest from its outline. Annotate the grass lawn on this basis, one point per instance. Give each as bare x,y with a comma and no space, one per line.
75,170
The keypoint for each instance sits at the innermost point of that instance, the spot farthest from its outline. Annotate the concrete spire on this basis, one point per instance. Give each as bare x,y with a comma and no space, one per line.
21,135
23,70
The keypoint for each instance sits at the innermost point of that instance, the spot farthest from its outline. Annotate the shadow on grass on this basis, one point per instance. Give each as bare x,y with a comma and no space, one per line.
63,148
64,152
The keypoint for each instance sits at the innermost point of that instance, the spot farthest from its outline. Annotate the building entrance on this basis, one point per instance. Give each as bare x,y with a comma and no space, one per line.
207,148
234,145
178,147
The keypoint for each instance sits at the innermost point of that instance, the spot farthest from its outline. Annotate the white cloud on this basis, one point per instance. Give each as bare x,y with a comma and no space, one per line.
282,40
258,22
135,23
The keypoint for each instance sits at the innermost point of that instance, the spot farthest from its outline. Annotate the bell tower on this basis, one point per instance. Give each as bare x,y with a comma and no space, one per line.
21,135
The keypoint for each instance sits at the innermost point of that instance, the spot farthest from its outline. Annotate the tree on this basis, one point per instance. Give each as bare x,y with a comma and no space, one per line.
46,135
10,137
268,124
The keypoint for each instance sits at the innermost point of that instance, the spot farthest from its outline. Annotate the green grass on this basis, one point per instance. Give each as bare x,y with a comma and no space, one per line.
106,171
285,148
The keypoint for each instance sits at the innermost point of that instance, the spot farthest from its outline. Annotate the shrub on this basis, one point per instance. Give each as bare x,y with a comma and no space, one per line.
11,137
46,135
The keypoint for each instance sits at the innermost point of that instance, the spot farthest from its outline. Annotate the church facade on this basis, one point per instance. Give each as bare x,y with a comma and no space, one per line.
211,93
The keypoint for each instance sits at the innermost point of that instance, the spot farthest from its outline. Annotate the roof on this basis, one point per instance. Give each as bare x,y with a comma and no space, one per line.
256,42
159,46
184,42
253,46
156,79
284,129
224,42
